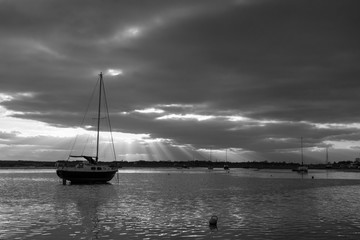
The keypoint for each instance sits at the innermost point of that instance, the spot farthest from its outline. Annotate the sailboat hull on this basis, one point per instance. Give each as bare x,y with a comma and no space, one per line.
82,176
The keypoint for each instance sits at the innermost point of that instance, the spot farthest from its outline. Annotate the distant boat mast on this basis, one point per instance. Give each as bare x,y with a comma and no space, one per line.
327,155
302,153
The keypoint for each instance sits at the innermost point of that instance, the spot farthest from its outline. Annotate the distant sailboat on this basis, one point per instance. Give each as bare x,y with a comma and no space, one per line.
303,168
327,163
210,167
90,171
226,166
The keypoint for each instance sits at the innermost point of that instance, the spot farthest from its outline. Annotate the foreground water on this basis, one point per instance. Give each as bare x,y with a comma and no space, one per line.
174,204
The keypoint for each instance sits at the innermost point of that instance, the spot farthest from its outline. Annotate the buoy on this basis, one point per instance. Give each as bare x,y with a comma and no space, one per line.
213,220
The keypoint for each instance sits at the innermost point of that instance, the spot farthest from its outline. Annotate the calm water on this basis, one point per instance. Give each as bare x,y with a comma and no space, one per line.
177,204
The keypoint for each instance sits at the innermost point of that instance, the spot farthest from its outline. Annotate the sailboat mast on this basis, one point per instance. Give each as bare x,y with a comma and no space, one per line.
98,123
327,155
302,157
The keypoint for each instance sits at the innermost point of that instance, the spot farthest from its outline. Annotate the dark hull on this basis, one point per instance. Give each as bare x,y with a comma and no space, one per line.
86,176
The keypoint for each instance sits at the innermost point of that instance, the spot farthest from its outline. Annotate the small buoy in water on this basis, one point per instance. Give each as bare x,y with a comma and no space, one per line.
312,177
213,220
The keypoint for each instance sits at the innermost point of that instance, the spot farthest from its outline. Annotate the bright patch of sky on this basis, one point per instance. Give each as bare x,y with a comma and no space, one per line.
149,110
185,117
344,144
132,32
31,128
237,118
123,35
177,105
115,72
337,125
130,137
4,97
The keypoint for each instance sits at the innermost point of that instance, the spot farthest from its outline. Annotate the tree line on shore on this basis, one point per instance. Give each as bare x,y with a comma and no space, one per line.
184,164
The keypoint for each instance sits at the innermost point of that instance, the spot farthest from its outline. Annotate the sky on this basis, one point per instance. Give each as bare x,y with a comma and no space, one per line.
235,80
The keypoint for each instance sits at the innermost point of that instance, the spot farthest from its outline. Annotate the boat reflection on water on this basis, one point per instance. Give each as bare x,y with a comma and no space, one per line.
85,209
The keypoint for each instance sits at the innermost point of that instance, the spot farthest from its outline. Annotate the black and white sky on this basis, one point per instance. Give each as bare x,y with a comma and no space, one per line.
246,77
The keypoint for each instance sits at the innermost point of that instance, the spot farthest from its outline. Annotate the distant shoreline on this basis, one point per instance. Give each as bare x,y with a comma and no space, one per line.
24,164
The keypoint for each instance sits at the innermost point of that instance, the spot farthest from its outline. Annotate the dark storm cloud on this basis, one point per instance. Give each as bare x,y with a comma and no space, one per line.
291,62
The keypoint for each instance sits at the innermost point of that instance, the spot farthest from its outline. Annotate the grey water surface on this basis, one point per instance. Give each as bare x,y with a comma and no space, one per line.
177,204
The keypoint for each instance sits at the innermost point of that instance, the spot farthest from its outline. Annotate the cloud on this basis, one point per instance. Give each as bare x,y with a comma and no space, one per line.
279,68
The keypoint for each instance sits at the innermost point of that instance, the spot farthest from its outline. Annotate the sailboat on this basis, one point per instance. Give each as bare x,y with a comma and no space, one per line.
89,171
302,168
226,166
210,166
328,164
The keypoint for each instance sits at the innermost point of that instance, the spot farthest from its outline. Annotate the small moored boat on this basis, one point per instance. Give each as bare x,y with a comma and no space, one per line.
302,168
